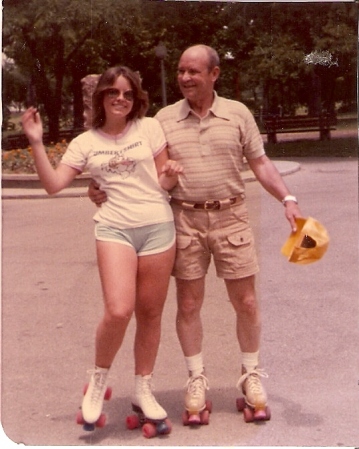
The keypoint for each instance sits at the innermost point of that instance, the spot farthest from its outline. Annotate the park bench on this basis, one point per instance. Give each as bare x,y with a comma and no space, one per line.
323,123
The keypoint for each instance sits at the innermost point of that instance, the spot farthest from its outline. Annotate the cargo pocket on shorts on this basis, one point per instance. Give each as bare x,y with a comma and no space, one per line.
241,247
183,241
240,238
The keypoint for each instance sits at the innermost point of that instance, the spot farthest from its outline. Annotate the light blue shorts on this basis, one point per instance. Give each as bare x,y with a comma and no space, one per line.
145,240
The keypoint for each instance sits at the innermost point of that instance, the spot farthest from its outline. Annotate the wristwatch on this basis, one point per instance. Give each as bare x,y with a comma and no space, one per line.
289,198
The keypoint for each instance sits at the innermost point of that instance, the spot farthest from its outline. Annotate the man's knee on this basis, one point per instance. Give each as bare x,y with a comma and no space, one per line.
249,304
188,306
189,296
242,294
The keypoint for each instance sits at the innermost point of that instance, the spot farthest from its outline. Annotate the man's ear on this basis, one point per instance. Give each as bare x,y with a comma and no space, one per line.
215,73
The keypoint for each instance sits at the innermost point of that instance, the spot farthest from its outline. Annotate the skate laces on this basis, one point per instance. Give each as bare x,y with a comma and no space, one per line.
147,386
254,383
196,385
146,392
97,385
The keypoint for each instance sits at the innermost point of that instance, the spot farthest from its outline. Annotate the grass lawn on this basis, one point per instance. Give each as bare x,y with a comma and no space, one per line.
336,147
343,146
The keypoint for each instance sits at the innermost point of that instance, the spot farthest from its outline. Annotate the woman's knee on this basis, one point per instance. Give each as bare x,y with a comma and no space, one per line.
150,311
118,313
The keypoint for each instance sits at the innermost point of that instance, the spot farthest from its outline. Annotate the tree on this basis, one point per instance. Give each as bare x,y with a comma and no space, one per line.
285,36
14,84
338,37
58,41
262,46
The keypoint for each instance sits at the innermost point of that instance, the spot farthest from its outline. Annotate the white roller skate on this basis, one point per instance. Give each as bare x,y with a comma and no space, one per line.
197,407
149,413
253,404
95,392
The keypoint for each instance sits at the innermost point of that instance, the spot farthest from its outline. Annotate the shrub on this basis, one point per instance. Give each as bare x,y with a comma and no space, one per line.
22,161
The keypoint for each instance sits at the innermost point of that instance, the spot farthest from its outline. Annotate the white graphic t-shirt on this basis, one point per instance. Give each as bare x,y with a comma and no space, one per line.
124,167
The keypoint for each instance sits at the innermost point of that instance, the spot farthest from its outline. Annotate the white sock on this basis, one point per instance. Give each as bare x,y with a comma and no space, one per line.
195,364
98,369
250,360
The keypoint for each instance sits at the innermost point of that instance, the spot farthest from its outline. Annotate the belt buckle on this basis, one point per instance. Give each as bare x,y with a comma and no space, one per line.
212,205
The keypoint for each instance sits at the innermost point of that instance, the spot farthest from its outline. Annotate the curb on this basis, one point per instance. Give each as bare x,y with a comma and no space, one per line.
284,168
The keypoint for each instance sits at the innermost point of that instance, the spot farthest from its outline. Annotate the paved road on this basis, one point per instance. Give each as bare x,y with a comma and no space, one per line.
51,306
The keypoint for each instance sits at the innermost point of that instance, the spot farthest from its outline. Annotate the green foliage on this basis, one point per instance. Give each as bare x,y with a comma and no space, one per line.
262,46
53,41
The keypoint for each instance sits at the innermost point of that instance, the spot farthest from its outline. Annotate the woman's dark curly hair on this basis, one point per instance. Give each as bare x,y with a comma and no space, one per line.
107,79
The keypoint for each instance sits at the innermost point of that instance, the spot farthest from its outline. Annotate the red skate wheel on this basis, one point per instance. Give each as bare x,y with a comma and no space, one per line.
260,415
108,394
241,403
132,422
185,421
248,414
149,430
205,417
194,420
209,406
169,426
79,418
101,422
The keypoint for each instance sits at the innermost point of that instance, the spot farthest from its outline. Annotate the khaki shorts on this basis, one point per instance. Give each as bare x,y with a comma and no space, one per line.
225,234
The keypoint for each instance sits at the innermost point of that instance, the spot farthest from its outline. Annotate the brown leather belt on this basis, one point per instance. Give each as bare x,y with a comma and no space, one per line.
207,205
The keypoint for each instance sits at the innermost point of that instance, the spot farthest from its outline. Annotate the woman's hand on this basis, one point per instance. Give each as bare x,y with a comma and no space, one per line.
32,125
172,168
169,174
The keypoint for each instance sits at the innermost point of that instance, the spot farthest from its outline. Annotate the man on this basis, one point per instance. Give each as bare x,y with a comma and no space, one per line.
209,136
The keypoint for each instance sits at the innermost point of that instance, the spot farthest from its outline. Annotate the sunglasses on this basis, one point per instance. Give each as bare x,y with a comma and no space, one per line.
113,93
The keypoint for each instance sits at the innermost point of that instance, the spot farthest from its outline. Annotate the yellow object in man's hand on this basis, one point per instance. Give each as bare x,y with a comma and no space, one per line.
308,244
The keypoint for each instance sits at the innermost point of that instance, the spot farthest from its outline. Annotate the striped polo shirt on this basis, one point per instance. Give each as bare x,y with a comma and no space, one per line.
211,148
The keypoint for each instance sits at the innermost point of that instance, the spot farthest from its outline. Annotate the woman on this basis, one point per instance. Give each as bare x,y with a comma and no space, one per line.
126,154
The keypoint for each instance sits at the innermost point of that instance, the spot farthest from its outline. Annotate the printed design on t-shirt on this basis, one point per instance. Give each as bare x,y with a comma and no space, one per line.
120,165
